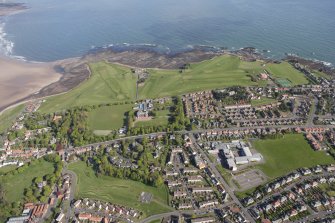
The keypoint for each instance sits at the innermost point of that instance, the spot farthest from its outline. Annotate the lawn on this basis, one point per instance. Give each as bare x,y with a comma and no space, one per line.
108,83
118,191
161,119
287,154
7,169
8,117
262,101
15,184
285,70
109,117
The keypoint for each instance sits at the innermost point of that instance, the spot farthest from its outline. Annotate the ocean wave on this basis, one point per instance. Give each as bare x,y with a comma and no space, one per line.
6,46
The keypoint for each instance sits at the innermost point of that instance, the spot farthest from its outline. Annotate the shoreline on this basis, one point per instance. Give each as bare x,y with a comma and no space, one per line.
37,80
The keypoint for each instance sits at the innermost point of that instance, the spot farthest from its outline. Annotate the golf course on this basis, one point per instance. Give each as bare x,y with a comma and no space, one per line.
111,83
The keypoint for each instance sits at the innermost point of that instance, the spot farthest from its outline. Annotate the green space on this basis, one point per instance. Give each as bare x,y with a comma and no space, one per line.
6,169
284,71
321,74
219,72
328,188
286,154
262,101
161,118
118,191
111,83
108,83
8,117
108,117
15,183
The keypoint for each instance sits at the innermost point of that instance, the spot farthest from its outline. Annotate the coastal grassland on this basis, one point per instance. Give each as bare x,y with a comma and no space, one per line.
108,83
8,117
118,191
15,184
108,117
321,74
218,72
262,101
287,154
161,118
285,70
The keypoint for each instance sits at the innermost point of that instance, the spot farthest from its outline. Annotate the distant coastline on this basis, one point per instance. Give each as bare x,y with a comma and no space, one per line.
11,8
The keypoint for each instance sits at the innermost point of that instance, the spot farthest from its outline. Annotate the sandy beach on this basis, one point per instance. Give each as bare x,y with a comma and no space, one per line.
19,79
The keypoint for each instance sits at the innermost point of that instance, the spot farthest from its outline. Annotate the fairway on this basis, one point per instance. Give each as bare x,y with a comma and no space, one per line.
218,72
284,71
287,154
15,184
108,83
8,117
114,83
118,191
109,117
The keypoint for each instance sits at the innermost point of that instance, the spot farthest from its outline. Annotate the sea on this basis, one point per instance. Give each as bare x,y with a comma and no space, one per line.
57,29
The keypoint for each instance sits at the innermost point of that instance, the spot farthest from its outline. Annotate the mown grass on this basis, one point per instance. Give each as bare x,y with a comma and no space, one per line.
285,70
15,184
262,101
161,118
219,72
287,154
113,83
7,169
8,117
118,191
108,83
109,117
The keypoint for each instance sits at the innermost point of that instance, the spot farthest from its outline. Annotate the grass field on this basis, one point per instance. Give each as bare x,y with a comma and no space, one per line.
15,184
118,191
321,74
108,118
287,154
285,70
219,72
8,117
7,169
108,83
262,101
162,118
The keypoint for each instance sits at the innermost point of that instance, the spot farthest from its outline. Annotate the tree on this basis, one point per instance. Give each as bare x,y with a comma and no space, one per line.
2,194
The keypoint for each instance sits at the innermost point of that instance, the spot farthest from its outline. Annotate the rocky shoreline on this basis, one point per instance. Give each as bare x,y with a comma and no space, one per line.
75,71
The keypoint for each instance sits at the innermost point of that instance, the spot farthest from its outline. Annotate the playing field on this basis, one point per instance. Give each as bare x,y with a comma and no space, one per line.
108,83
287,154
262,101
118,191
15,184
8,117
162,118
109,117
285,70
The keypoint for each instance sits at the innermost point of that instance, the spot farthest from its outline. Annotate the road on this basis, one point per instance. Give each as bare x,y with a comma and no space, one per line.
183,212
69,213
218,176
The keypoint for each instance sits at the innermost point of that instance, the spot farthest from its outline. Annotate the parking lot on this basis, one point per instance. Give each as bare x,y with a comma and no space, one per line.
250,179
